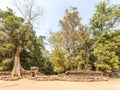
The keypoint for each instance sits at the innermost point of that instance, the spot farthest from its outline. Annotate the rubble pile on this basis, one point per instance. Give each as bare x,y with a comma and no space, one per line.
74,76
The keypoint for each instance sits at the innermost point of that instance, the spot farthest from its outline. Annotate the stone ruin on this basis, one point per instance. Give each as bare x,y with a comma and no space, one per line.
34,71
34,74
85,75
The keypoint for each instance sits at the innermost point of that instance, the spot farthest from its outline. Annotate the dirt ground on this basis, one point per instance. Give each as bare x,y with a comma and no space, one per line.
25,84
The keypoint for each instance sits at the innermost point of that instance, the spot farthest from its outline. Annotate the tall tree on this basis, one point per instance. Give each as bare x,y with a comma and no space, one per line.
30,10
76,38
103,23
20,36
71,44
57,56
68,25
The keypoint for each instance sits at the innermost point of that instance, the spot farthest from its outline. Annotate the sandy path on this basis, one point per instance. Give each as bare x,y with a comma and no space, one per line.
26,84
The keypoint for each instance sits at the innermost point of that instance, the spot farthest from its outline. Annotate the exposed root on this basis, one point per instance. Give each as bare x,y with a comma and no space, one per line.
17,69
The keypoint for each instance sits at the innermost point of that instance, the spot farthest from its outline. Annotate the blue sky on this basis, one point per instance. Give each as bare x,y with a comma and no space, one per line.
55,10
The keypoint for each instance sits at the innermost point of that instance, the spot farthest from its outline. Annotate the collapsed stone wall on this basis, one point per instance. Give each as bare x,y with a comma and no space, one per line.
6,75
68,76
74,76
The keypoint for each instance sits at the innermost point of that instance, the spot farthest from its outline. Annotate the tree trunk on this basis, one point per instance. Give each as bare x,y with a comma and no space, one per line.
17,68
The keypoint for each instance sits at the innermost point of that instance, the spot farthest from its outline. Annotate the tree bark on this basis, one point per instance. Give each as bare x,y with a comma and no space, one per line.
17,68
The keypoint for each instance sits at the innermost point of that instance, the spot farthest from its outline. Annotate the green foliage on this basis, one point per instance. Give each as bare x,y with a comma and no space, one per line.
95,49
6,64
37,55
15,33
74,46
48,67
106,61
71,44
103,24
58,60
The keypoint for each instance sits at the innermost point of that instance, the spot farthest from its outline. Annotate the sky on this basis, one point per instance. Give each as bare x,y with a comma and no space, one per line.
55,11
